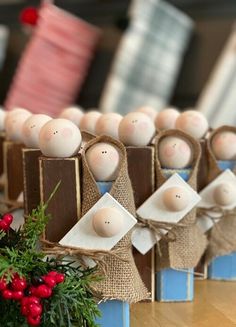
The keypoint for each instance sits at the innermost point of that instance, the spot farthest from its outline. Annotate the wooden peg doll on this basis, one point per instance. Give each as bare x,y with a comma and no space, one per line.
221,151
195,124
105,170
177,152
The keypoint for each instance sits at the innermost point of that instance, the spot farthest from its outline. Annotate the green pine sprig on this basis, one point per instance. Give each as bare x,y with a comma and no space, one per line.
72,303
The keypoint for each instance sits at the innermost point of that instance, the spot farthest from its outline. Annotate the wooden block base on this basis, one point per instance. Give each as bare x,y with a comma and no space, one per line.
13,169
223,268
174,286
114,314
31,179
65,207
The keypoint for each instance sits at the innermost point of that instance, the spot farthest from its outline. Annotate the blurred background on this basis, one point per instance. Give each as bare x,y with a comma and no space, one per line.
213,21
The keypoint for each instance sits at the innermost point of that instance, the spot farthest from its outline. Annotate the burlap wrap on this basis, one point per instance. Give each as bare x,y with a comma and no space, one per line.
122,280
190,243
222,236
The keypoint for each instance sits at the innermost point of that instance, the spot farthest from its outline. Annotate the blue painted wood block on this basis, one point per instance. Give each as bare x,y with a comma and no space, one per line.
104,187
223,267
174,285
114,314
226,164
184,173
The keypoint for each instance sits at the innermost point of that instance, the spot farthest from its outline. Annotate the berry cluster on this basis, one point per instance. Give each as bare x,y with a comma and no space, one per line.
5,222
30,296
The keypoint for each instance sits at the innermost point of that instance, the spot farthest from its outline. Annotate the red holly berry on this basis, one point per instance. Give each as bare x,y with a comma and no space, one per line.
19,284
7,294
50,281
17,295
43,291
33,321
8,218
24,301
24,310
33,300
32,290
4,226
35,310
3,284
60,278
29,16
52,273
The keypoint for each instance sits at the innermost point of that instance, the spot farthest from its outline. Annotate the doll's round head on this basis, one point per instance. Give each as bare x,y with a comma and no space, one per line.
224,194
175,198
166,119
193,123
31,130
108,124
59,138
2,119
224,145
149,111
103,160
14,124
174,153
136,129
13,112
73,114
89,120
108,222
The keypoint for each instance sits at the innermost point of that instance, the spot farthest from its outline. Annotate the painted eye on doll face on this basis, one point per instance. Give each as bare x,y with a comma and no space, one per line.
31,129
103,160
174,153
224,194
136,129
175,198
108,222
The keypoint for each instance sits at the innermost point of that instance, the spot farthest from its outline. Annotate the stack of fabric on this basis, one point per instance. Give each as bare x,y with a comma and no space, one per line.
149,57
55,63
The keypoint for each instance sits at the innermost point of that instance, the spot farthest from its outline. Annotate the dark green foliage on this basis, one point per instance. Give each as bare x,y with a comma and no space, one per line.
72,303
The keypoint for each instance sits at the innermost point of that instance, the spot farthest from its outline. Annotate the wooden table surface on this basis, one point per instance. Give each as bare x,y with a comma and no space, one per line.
214,306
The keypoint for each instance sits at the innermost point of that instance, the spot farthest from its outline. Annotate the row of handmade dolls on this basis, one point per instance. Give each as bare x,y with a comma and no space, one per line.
176,152
134,129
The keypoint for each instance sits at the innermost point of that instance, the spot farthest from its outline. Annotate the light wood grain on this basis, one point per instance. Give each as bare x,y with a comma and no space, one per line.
214,306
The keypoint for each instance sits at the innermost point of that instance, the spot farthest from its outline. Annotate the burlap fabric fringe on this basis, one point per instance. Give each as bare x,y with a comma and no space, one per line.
122,280
186,251
219,245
